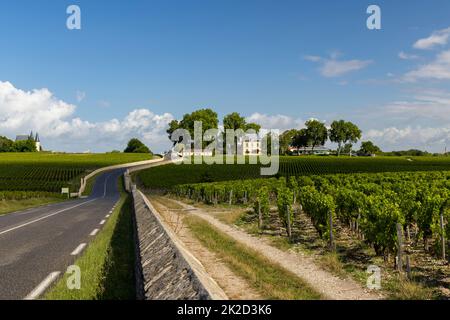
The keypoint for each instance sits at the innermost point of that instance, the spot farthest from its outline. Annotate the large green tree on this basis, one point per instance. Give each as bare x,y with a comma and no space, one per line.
207,117
287,140
343,132
5,144
317,133
367,147
302,139
136,146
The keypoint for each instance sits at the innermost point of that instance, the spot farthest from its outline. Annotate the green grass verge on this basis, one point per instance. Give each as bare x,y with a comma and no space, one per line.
90,184
107,265
8,206
269,279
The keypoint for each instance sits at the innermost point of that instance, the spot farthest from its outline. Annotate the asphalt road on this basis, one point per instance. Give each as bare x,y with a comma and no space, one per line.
38,244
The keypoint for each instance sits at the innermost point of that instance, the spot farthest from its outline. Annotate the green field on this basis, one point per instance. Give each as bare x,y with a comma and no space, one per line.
48,172
165,177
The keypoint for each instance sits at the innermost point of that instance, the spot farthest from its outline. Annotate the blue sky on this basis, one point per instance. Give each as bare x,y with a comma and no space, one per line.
135,65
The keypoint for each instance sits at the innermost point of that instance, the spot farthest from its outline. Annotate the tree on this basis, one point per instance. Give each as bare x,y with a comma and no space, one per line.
173,125
286,140
207,117
234,121
367,147
5,144
347,148
301,139
317,133
343,132
253,126
136,146
24,146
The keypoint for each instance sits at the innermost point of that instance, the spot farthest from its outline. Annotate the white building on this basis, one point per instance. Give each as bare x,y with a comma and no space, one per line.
251,145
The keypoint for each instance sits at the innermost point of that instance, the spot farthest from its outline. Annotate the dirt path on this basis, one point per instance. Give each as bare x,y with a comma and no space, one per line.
235,287
329,285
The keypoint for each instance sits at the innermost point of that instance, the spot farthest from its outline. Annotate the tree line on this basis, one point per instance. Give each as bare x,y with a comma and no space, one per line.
315,133
7,145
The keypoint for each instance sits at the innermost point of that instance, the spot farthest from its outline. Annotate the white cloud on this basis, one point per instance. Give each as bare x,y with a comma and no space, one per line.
39,110
439,37
279,121
434,139
406,56
439,69
334,68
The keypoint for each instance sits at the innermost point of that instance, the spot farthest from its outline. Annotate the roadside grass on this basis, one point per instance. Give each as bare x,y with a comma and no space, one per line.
90,184
269,279
107,265
9,206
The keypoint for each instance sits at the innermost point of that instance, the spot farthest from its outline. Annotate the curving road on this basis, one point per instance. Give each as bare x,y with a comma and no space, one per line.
37,245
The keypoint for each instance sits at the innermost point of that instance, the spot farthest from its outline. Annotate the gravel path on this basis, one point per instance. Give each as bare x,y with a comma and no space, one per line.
329,285
235,287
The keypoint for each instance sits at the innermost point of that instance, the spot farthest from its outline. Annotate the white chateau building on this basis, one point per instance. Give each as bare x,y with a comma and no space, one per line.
251,145
32,137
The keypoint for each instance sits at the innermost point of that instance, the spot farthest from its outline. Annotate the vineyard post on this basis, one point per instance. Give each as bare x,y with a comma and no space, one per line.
331,231
399,247
288,222
295,197
231,196
442,235
260,222
408,267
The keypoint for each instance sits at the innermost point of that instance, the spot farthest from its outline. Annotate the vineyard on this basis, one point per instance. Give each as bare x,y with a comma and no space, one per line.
48,173
371,205
164,177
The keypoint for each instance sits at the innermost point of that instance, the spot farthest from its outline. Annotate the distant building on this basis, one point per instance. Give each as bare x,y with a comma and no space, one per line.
34,138
318,150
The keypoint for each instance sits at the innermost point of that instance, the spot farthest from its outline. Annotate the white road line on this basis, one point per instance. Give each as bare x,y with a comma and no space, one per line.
42,286
78,249
102,222
44,217
94,232
106,183
107,216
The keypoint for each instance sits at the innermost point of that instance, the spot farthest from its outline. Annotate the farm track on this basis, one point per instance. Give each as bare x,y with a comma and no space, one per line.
235,287
329,285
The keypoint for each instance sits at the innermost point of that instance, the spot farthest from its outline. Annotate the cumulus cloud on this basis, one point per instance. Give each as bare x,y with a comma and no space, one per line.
39,110
279,121
333,67
434,105
439,69
427,138
437,38
406,56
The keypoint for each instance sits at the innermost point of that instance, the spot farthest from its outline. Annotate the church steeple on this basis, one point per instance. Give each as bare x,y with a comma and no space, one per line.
37,138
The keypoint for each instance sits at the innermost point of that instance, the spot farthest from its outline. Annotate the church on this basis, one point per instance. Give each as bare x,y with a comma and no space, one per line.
35,138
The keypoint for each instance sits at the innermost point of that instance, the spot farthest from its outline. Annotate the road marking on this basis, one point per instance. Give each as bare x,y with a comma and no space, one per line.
78,249
102,222
43,286
110,212
107,216
44,217
106,183
94,232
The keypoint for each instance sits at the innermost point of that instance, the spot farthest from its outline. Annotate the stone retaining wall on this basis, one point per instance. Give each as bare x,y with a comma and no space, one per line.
165,270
